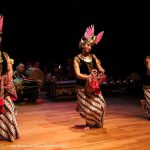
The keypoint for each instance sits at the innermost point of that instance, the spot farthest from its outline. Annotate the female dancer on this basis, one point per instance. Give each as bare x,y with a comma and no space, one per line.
89,73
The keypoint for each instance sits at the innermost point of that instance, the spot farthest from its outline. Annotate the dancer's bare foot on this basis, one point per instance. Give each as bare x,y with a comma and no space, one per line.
86,128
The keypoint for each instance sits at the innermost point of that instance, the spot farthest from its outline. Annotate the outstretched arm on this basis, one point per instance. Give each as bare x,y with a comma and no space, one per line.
77,70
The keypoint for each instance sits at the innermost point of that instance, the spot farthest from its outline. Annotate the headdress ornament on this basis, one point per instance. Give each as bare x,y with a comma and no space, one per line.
90,37
1,23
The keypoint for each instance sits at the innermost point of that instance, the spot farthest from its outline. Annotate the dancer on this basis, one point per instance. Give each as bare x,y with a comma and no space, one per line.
146,87
8,123
90,74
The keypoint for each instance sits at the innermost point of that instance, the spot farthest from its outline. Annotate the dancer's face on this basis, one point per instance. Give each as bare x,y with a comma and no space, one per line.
148,64
87,47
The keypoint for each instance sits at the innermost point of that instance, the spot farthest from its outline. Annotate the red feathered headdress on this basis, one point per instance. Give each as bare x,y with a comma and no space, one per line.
1,24
90,37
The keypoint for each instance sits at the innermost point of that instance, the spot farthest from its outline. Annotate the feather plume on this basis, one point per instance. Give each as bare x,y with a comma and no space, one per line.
1,23
99,37
89,32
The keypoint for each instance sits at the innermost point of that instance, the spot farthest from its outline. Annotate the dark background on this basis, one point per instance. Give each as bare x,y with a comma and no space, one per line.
48,31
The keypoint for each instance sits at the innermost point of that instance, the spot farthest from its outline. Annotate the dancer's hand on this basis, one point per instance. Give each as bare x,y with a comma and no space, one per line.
94,71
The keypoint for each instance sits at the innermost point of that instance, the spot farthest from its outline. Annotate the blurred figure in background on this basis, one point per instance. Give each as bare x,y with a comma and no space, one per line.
20,71
36,73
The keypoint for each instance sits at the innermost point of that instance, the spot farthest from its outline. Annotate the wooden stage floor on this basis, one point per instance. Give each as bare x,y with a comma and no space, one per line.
57,126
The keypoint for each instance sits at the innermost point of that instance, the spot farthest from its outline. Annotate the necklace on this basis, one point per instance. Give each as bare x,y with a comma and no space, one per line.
86,58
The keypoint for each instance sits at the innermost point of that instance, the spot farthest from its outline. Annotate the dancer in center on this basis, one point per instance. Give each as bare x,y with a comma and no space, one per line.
90,75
